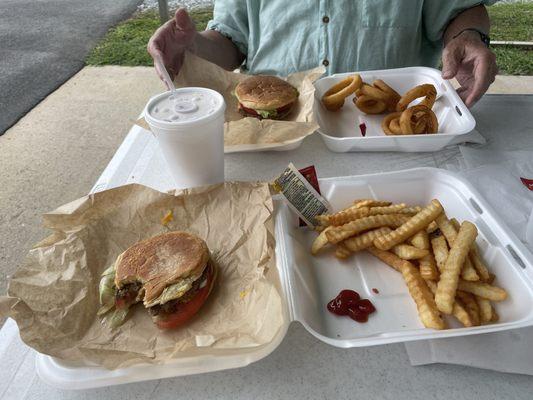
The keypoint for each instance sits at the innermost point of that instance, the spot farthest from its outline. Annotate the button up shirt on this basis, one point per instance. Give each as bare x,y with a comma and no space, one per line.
279,37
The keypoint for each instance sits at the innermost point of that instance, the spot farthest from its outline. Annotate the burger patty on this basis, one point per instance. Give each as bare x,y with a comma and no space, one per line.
127,294
170,306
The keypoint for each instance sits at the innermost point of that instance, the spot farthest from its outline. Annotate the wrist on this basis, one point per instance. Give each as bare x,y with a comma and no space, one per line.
474,35
195,43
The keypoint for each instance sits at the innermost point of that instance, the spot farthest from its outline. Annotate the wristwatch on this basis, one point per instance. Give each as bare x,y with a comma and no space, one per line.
484,37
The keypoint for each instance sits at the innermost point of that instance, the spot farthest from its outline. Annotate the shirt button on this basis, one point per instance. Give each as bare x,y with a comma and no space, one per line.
325,63
325,19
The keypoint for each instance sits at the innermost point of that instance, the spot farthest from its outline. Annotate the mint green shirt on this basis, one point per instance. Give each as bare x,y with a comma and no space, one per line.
279,37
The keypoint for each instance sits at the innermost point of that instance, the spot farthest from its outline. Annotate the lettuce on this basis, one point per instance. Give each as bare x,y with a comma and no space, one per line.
267,113
107,290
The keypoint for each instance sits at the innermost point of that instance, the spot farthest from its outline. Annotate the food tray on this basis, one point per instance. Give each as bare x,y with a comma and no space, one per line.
310,282
340,130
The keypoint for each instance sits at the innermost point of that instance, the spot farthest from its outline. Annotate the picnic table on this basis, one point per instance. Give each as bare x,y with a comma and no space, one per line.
302,366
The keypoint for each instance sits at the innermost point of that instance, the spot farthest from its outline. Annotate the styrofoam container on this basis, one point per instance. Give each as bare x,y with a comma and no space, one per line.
308,282
340,130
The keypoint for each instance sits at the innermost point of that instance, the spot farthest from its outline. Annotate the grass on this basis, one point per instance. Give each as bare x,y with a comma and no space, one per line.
513,22
126,43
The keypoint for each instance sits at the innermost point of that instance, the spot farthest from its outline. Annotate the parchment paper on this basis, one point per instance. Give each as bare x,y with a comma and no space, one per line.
54,295
241,130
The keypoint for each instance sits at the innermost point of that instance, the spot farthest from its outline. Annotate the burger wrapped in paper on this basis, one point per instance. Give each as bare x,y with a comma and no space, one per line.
171,274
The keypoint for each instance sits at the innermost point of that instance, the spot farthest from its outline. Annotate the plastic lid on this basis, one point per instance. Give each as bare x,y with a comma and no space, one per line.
186,106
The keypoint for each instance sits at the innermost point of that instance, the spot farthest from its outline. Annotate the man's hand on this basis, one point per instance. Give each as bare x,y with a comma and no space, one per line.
171,41
473,65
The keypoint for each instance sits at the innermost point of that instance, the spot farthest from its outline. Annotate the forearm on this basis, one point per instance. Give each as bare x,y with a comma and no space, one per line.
217,49
475,17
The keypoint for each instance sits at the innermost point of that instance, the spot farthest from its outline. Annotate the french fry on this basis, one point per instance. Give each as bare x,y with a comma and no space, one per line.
421,240
492,276
410,227
446,227
468,273
418,288
342,217
339,233
342,252
320,241
406,252
482,289
495,316
365,240
428,267
475,258
427,264
485,310
392,209
449,228
410,210
449,278
392,260
478,264
421,294
471,306
371,203
440,249
432,227
458,311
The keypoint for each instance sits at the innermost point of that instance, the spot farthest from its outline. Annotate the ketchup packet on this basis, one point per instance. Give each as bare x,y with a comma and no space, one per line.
302,193
309,173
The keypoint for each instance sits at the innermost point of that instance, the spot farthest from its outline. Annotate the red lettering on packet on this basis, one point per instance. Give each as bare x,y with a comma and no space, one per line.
309,173
527,183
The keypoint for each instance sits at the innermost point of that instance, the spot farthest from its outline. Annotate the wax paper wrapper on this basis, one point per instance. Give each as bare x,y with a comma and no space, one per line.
54,294
246,133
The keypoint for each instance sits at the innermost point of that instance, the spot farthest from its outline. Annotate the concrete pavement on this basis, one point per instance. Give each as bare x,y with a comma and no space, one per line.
43,43
57,151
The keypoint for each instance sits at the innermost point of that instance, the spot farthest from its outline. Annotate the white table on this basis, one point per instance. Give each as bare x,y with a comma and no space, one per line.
302,366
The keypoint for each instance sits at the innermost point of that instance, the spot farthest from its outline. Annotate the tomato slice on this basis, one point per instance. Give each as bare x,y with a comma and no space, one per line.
186,311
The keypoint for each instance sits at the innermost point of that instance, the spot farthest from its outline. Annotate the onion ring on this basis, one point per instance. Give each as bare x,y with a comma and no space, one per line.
395,126
374,92
388,121
418,119
426,90
394,96
334,98
376,98
369,105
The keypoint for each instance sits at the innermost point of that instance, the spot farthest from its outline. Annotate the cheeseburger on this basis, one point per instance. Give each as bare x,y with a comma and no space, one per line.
171,274
266,97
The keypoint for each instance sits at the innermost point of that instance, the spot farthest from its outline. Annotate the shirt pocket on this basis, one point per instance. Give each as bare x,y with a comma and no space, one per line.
392,13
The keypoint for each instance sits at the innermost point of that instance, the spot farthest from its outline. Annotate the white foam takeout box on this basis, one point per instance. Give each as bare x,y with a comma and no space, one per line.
308,282
340,130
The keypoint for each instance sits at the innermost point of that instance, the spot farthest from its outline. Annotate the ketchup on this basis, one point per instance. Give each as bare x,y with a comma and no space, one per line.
349,303
362,128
